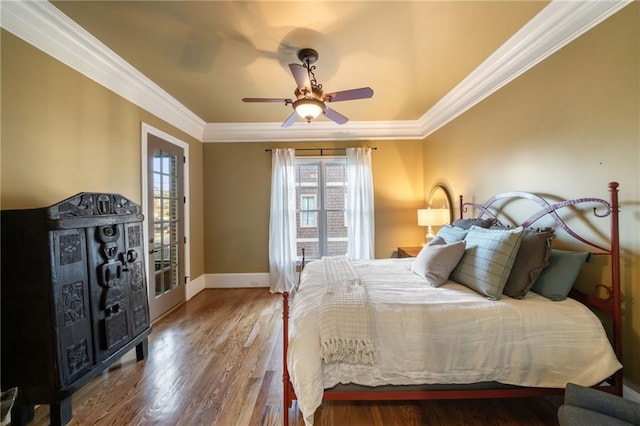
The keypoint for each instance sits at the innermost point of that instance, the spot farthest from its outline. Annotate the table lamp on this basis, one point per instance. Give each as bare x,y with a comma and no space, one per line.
432,217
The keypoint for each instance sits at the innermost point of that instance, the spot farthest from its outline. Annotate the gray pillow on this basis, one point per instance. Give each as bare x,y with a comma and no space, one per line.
557,279
451,234
436,260
488,259
468,223
533,256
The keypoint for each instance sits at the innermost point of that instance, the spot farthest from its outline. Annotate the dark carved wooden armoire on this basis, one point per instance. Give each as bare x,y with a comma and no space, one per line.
74,297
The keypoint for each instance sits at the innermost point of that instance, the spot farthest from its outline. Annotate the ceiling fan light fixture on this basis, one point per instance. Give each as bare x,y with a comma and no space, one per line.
308,108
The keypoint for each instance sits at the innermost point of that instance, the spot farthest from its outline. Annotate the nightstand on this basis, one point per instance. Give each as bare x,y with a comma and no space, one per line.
408,251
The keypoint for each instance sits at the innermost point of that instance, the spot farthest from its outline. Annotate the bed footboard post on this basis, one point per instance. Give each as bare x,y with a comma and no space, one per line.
615,280
285,371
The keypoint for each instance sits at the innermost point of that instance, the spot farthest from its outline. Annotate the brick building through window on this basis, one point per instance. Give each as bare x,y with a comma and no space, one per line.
321,185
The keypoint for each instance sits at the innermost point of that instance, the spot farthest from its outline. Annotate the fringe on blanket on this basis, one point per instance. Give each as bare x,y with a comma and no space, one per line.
350,351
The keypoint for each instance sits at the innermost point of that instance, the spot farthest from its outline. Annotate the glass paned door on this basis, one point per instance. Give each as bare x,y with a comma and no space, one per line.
166,225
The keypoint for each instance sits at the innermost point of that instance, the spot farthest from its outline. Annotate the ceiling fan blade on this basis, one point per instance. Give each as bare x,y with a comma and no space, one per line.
335,116
349,95
286,101
301,75
289,121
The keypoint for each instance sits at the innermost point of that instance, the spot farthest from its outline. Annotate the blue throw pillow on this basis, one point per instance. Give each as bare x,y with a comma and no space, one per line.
451,234
557,279
488,259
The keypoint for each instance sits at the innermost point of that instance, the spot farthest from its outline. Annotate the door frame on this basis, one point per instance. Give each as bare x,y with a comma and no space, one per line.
147,130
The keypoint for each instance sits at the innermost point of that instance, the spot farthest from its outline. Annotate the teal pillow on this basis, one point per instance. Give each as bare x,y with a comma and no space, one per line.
557,279
488,259
451,234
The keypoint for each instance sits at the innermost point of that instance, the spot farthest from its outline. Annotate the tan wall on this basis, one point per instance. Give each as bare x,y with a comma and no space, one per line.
237,186
62,133
565,128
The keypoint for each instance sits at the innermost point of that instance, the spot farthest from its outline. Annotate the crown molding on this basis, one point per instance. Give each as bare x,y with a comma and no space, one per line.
42,25
555,26
314,131
45,27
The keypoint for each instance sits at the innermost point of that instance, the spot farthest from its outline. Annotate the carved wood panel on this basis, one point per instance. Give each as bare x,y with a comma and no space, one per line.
71,292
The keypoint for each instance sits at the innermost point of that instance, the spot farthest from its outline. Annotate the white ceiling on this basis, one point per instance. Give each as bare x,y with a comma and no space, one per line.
191,62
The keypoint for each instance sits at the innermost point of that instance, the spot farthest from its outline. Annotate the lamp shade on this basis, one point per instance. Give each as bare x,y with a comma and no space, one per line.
308,108
433,217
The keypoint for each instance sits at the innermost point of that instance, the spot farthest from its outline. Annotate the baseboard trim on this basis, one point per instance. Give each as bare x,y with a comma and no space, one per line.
630,394
195,286
246,280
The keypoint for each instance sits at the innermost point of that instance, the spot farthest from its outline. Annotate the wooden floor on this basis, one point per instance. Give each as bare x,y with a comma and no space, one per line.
217,360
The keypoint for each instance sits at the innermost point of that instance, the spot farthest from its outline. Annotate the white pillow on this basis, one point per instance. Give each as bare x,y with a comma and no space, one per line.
436,260
488,259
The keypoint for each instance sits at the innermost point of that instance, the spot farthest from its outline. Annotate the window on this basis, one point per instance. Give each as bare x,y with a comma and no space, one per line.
320,200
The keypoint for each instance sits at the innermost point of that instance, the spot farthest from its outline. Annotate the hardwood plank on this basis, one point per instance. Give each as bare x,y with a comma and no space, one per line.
217,360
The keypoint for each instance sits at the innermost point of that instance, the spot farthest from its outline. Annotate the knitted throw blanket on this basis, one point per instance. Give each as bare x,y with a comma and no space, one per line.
346,331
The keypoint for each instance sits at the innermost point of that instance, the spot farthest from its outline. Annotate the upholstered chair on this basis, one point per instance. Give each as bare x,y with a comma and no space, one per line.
590,407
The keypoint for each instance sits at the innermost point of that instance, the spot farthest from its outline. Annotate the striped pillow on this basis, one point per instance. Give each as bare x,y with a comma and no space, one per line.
488,259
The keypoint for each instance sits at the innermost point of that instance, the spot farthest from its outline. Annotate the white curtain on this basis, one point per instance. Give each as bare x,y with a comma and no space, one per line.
282,223
359,204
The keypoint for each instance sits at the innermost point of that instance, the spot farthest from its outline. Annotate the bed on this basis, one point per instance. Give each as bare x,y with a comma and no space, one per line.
468,333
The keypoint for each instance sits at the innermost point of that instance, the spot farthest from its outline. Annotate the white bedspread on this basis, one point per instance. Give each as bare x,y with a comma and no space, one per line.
447,335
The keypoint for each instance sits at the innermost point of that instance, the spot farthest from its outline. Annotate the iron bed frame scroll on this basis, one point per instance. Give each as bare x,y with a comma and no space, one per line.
611,305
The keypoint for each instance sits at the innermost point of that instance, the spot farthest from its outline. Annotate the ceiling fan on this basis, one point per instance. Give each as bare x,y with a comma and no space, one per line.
310,100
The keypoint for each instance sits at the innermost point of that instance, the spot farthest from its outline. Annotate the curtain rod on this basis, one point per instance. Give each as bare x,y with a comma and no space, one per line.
319,149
